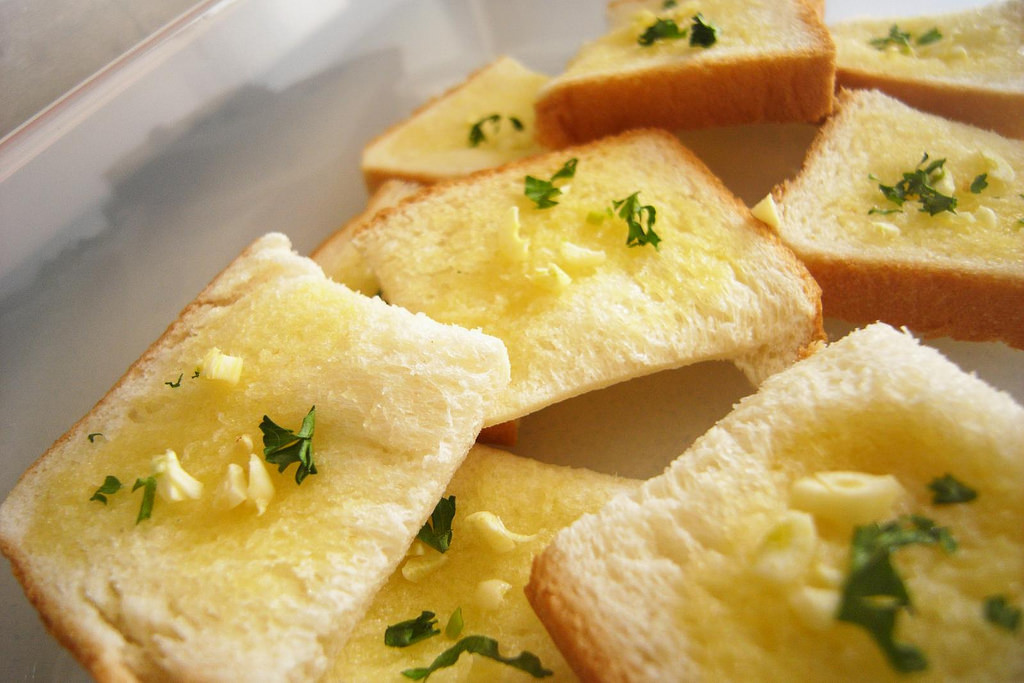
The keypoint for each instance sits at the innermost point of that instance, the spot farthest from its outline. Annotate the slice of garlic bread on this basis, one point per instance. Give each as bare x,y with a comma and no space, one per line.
692,64
267,432
912,219
966,65
859,518
507,508
485,121
641,261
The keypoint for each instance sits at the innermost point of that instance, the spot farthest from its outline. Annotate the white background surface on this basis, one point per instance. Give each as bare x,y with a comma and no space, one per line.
117,207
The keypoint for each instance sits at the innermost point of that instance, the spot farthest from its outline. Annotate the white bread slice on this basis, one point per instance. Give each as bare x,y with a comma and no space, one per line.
200,592
336,255
771,61
577,308
532,500
680,582
342,263
974,73
434,144
961,274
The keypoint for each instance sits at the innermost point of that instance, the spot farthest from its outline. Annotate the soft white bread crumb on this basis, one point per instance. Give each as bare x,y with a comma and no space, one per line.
433,143
718,285
669,583
974,73
201,592
771,61
532,500
958,273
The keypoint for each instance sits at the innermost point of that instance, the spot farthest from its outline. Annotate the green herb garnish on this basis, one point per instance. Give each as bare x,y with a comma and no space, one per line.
486,647
669,4
92,437
453,629
640,219
702,32
176,384
148,496
111,485
543,192
476,131
195,374
874,593
947,489
661,29
437,531
282,446
917,185
406,633
979,183
901,39
1000,612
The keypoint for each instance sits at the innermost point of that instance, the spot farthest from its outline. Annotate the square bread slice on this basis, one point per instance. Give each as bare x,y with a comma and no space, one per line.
860,215
692,65
577,307
257,577
966,65
485,121
838,496
507,509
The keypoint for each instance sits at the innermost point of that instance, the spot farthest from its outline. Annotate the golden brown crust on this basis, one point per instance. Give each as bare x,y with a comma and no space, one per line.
793,86
931,302
554,600
984,107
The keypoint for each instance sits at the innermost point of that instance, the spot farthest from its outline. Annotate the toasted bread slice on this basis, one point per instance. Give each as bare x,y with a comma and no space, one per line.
958,273
966,65
734,564
435,142
268,589
769,61
507,510
576,306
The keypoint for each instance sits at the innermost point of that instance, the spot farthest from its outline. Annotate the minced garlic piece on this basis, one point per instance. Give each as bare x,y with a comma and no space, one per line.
815,607
493,531
552,277
787,549
231,492
510,243
261,488
173,483
417,568
846,497
220,366
767,212
490,594
581,257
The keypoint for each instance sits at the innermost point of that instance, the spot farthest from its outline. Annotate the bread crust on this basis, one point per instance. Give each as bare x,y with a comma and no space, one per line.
930,301
990,108
795,85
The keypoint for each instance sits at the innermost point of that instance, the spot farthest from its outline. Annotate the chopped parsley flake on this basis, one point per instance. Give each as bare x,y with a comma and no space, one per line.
874,593
640,219
947,489
406,633
92,437
111,485
437,532
917,185
1000,612
148,496
476,131
543,192
703,33
979,183
661,29
486,647
177,383
282,446
455,624
902,39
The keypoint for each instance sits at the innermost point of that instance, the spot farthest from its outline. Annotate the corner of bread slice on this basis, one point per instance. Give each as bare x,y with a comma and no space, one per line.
946,259
582,291
507,508
739,560
966,65
288,437
724,63
485,121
